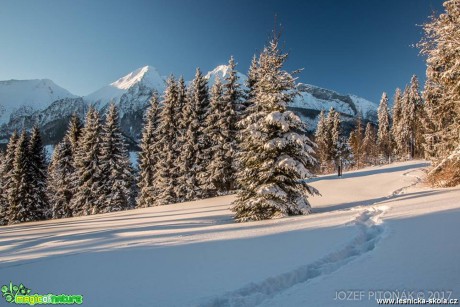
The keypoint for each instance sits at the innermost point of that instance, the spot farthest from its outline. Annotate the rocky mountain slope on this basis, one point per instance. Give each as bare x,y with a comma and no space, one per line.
132,93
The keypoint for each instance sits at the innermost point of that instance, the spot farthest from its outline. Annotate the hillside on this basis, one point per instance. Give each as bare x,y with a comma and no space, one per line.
393,235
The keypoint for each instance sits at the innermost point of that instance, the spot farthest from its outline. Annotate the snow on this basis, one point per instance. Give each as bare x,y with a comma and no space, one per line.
377,228
222,71
28,96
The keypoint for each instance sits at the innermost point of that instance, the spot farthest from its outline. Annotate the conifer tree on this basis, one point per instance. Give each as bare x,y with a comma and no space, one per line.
88,168
369,147
337,147
384,133
60,172
187,187
116,170
396,128
440,44
165,175
148,156
275,157
38,174
356,141
22,205
321,138
232,105
219,130
7,177
74,132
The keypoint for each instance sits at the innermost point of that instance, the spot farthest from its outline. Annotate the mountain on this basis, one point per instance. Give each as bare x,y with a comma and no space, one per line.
146,77
132,93
23,97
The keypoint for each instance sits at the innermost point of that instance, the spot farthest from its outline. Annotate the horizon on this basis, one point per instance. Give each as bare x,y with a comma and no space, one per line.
360,48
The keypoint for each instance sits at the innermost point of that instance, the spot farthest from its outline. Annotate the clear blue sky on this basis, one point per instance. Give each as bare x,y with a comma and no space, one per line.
356,46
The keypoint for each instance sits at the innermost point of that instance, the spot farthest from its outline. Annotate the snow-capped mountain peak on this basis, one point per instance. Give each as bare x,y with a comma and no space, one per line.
222,71
28,95
148,76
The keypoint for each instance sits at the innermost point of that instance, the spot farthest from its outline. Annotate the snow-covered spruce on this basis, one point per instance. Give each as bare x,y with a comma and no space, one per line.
23,206
397,120
355,142
60,172
384,132
148,157
38,169
369,147
276,156
6,177
116,171
440,44
166,132
193,158
88,168
321,138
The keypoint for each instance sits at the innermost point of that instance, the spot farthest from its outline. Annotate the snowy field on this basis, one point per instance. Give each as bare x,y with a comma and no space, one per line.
376,229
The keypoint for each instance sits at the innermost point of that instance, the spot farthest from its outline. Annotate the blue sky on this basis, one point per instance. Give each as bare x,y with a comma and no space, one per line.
357,46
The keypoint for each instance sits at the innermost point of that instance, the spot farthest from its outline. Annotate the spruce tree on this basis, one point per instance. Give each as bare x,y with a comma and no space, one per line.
6,176
233,104
369,147
440,45
148,156
219,171
165,175
38,174
74,132
337,144
321,139
275,157
60,174
88,168
21,198
116,177
396,128
356,141
384,133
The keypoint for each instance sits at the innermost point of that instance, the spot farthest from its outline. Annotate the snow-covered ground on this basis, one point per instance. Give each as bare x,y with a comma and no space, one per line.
376,229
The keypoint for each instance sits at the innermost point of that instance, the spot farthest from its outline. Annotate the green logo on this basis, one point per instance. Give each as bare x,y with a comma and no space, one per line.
21,295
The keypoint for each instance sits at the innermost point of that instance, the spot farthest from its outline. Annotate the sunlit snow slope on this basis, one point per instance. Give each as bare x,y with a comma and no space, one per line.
376,228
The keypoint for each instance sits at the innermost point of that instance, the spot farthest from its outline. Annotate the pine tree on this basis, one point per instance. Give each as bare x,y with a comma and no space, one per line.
384,133
369,147
148,157
275,157
440,44
116,177
88,168
6,177
22,206
38,174
165,176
